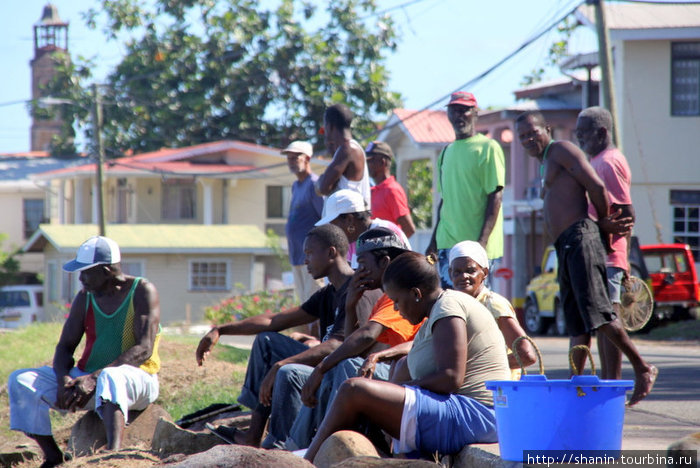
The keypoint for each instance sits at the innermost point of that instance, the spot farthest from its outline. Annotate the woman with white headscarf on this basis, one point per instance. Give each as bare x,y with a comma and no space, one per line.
469,267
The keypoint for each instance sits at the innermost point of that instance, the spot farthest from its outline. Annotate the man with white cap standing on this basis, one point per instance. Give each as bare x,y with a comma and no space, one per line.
470,180
305,210
119,316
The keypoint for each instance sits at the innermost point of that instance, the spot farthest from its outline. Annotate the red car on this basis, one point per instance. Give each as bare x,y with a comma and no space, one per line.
674,280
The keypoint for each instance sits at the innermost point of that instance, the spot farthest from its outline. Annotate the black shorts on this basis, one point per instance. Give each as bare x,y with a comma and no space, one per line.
583,282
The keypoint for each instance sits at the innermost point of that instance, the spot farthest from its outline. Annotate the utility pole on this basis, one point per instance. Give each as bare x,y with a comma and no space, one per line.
605,60
97,134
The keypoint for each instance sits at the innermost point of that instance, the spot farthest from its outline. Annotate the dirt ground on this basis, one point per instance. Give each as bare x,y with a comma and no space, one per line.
178,372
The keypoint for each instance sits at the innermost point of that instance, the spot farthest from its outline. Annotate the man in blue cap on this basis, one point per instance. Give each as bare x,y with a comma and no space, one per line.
119,316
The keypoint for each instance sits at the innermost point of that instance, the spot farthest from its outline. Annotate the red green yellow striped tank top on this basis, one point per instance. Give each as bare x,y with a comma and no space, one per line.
108,336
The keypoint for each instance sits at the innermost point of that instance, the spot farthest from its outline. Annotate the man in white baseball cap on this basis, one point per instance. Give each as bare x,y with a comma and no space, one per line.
305,209
119,316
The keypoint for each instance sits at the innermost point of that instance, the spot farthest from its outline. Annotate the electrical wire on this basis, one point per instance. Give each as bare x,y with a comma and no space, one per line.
482,75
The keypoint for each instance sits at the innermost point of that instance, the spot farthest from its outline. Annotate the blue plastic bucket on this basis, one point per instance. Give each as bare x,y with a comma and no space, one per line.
584,413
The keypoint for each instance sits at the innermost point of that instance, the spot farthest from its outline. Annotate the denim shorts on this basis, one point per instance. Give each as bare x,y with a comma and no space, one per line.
615,277
583,281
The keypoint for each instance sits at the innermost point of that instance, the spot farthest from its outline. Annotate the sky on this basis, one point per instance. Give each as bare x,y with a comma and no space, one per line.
443,44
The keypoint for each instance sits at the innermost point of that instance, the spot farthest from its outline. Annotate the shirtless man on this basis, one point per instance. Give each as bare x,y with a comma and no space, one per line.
568,177
348,169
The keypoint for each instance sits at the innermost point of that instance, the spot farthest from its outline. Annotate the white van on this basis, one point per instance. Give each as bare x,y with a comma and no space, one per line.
21,305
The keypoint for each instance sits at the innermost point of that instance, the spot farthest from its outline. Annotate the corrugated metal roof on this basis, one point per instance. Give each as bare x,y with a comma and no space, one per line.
645,16
428,126
15,168
155,238
176,161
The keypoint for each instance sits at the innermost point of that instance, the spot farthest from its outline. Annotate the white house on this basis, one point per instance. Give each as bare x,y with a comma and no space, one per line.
656,54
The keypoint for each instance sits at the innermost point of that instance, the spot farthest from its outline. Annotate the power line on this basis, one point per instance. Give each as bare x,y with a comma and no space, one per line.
387,10
482,74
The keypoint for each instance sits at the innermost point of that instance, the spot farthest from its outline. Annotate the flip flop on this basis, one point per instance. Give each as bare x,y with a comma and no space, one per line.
225,433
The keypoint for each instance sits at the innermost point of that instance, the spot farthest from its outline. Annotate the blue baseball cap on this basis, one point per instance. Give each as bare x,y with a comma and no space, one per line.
96,250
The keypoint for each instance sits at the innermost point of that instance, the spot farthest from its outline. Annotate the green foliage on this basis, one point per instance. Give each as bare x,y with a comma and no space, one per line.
201,70
558,50
272,240
73,102
248,305
9,266
419,188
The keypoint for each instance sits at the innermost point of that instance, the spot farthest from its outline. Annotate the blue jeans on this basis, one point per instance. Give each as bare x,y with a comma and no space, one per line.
268,348
286,402
309,419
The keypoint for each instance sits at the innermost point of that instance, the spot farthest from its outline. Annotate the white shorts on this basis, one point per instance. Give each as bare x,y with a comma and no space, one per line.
32,393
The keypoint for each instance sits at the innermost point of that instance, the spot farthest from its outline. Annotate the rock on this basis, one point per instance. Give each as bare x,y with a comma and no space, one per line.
683,446
343,445
471,456
132,458
169,439
224,456
88,434
371,462
13,455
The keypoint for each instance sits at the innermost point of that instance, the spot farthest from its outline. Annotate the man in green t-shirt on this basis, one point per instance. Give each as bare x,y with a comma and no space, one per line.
471,176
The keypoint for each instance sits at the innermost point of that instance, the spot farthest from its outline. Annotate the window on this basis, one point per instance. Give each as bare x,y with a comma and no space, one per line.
69,286
52,281
686,219
132,268
685,78
33,210
278,199
178,200
123,201
209,276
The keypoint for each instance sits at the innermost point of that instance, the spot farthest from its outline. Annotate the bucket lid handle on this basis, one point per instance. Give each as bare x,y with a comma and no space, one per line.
517,356
571,359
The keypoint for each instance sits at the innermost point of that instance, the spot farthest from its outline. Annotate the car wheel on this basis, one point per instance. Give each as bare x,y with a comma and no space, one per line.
559,319
535,324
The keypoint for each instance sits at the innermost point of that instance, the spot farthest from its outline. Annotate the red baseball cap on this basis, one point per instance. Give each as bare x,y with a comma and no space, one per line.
462,98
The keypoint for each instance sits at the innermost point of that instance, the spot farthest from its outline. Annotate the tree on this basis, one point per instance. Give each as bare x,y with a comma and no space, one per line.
202,70
557,50
419,186
9,266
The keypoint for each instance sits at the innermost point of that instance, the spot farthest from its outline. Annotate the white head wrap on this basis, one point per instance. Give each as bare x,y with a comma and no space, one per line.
470,249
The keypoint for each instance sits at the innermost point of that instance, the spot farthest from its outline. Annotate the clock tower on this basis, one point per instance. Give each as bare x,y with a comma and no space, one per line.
50,50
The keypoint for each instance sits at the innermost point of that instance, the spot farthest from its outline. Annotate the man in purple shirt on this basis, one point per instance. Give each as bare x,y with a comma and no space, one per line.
304,211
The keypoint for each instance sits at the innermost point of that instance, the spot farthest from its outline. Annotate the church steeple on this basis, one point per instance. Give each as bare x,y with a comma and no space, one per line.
50,48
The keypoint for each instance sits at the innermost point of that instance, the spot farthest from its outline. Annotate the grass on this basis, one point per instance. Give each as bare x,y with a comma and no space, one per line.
184,387
674,331
27,347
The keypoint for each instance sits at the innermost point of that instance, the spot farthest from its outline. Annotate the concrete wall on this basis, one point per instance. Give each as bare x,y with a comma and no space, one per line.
12,198
170,274
662,150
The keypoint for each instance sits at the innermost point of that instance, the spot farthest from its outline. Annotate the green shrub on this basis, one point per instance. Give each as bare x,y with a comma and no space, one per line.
248,305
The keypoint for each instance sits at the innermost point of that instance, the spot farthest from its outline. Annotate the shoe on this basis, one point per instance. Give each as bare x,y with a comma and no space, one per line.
225,433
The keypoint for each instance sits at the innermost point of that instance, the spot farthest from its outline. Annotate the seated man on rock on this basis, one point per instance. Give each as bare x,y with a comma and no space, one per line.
119,316
325,249
382,329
